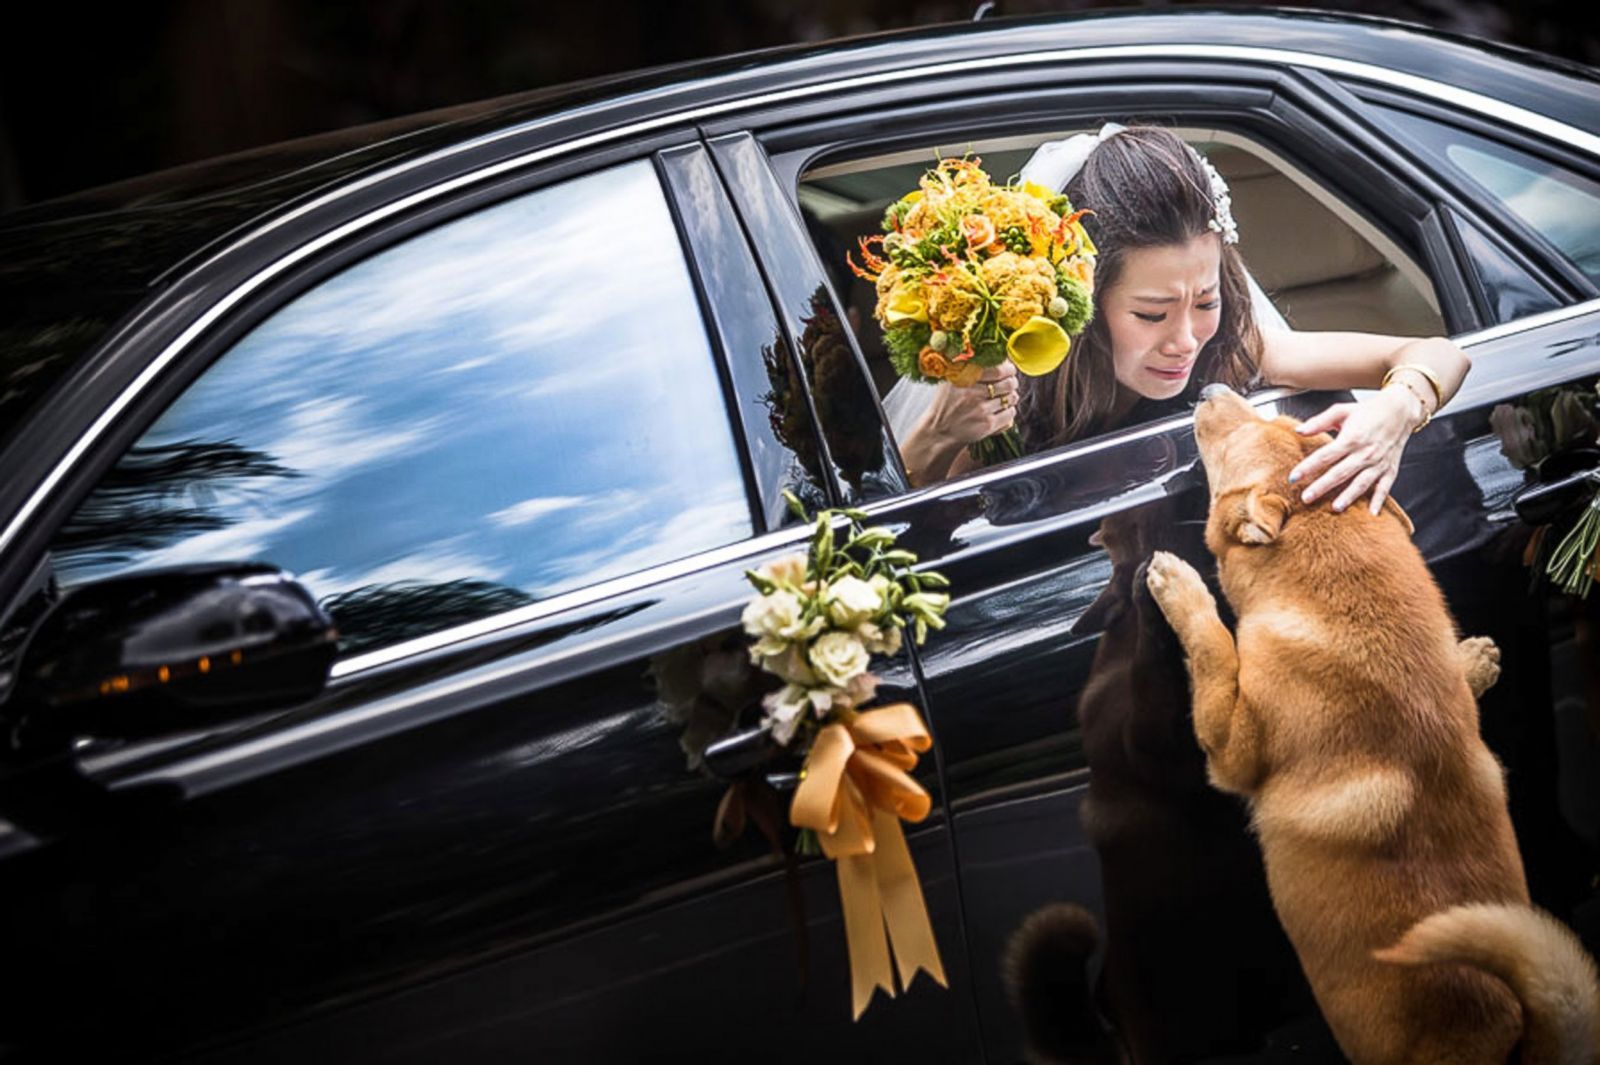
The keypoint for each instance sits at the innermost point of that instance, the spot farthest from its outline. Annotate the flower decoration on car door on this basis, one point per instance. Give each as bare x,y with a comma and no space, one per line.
1554,434
816,621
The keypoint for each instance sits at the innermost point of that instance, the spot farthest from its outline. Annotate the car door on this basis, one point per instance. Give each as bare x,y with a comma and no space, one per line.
523,445
1524,429
1058,694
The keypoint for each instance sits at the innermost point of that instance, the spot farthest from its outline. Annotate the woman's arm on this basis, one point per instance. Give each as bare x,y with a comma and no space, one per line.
1372,433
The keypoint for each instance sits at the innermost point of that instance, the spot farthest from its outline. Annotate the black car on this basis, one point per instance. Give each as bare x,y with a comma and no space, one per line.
515,391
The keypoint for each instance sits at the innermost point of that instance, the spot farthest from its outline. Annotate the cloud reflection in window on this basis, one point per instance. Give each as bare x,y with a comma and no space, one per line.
520,399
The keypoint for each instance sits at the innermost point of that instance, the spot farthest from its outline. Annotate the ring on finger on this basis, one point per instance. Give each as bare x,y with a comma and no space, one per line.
990,387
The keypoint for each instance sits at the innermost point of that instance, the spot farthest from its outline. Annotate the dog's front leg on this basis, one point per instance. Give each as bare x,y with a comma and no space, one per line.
1480,660
1227,731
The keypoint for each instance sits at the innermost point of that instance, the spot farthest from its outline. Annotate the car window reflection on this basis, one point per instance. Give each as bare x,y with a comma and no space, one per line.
515,404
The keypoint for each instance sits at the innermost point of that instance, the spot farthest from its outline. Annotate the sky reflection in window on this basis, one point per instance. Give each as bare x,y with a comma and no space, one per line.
515,404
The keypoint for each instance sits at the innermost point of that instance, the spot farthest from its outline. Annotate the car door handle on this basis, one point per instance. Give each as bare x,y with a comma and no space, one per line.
737,754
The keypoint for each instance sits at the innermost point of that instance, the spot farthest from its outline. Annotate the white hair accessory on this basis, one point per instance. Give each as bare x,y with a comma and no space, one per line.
1222,203
1054,163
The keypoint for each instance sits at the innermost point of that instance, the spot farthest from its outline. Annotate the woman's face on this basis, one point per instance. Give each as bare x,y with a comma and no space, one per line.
1161,312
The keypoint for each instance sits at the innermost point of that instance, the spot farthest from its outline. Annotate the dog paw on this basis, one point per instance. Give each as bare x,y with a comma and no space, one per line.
1480,660
1177,588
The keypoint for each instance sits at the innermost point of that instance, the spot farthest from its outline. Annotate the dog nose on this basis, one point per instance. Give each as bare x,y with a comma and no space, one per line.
1212,391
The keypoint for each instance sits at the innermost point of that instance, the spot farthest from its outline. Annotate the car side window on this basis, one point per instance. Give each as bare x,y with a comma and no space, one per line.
1320,265
1560,205
512,405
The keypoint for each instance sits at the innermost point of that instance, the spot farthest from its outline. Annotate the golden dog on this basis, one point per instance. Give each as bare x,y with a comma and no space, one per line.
1346,712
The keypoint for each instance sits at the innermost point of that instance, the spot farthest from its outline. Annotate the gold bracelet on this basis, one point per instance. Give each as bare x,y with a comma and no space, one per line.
1426,417
1426,374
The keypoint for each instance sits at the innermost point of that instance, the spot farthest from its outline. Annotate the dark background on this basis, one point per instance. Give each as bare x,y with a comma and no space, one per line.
92,96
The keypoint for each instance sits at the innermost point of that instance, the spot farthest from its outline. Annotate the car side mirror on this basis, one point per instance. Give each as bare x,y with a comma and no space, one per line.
165,650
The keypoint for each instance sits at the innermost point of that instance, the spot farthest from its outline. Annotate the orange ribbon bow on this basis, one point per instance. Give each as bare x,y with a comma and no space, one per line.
854,791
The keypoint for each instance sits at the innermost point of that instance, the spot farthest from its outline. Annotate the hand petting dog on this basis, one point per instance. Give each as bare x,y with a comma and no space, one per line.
1364,457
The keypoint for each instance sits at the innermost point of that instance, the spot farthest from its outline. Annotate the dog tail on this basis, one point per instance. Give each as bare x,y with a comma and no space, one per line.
1046,971
1536,956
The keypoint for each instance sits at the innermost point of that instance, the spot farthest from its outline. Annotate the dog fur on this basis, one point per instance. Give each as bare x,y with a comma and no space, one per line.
1344,709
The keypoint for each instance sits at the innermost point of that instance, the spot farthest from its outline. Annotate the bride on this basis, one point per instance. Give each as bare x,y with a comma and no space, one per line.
1174,310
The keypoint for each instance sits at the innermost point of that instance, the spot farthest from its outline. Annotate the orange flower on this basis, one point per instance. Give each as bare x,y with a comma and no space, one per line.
1081,270
876,264
965,374
1070,235
979,231
932,364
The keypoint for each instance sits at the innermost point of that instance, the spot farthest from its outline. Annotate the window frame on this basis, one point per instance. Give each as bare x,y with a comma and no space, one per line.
1282,109
1539,257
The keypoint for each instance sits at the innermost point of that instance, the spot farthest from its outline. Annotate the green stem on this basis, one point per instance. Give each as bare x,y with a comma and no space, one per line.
1572,563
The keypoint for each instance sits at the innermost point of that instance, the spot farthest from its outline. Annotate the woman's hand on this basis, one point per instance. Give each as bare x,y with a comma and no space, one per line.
956,418
967,415
1365,455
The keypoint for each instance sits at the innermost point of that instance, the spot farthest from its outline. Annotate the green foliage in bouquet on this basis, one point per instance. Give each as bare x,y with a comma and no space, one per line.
1574,562
904,343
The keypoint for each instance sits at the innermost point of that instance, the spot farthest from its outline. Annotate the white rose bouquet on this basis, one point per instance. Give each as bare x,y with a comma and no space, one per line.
1541,429
820,617
816,622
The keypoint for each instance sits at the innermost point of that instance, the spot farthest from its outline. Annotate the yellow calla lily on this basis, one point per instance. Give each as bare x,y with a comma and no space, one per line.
906,304
1038,346
1038,191
912,197
1085,244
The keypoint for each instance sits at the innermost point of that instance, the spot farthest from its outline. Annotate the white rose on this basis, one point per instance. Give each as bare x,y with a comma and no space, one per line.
822,701
879,640
783,712
776,615
861,689
788,664
789,570
838,656
851,601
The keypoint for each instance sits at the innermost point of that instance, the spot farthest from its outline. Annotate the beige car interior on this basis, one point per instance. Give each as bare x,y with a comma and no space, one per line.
1323,265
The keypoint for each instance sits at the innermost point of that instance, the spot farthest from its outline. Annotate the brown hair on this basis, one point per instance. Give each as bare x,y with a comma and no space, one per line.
1147,188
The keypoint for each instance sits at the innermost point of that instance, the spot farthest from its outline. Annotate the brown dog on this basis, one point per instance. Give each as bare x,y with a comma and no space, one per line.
1346,713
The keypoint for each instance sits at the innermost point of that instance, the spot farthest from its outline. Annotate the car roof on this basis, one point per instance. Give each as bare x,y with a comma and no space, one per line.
71,268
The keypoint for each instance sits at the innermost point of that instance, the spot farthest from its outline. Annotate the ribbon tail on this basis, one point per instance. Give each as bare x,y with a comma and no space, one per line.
904,910
863,931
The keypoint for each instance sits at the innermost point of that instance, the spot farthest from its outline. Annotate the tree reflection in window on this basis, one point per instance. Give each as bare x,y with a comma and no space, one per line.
843,403
156,496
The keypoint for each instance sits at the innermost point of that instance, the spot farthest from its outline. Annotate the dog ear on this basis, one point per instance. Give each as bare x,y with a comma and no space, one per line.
1260,517
1405,519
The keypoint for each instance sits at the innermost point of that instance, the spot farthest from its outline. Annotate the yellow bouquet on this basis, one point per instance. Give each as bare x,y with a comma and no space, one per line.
970,274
